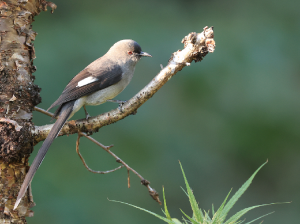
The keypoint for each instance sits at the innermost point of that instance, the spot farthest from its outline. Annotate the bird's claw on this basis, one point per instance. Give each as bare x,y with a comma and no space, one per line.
120,107
120,102
87,116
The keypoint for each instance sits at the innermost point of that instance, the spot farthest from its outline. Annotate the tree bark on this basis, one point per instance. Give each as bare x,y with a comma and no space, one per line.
18,96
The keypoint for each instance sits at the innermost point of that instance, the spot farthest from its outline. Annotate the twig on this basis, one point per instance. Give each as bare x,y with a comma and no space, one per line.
86,166
144,182
153,193
128,178
43,111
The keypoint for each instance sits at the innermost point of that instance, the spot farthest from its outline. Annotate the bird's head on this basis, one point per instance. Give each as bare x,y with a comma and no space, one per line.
127,50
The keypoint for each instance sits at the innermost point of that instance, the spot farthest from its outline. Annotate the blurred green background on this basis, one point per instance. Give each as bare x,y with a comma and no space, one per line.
222,117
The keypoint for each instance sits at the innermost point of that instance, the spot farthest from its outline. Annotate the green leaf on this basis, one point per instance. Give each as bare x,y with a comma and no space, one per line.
192,220
152,213
196,211
217,217
165,206
239,193
206,217
184,191
176,221
259,218
239,214
185,221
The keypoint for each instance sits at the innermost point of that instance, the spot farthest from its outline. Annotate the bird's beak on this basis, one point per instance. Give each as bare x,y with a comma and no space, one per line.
145,54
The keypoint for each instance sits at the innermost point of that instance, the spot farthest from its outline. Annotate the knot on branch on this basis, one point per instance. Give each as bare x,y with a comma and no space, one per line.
145,182
153,193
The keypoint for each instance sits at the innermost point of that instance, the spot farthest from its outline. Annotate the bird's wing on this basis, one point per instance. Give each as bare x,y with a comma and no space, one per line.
89,81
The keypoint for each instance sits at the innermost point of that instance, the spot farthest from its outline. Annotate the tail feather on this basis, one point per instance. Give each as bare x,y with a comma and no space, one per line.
66,110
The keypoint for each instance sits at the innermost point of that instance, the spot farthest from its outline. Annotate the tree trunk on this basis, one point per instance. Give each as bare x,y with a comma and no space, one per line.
18,96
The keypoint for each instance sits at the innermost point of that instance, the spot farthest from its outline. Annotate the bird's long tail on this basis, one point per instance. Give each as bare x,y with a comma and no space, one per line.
66,110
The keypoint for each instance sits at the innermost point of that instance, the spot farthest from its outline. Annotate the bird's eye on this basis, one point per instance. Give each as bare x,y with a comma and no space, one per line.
130,52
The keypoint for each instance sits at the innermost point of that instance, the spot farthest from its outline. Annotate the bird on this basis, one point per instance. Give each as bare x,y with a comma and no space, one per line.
99,82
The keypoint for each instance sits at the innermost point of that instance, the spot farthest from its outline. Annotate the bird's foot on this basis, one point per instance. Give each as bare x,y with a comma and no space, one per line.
120,107
87,116
120,102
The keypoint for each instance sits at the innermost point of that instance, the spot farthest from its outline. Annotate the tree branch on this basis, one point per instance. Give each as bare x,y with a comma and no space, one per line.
196,47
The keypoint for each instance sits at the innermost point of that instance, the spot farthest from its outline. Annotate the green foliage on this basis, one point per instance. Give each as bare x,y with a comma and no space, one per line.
202,217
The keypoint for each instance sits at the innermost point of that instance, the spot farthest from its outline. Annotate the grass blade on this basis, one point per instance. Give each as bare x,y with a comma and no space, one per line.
196,210
217,217
239,214
165,206
184,191
239,193
152,213
176,221
259,218
192,220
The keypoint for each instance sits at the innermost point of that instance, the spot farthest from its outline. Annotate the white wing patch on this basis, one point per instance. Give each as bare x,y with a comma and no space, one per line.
86,81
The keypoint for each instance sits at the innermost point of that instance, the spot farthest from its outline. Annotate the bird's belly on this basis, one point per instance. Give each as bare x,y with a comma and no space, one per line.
103,95
97,98
108,93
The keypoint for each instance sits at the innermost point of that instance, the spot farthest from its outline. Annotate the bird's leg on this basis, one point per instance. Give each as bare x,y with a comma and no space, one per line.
120,102
87,116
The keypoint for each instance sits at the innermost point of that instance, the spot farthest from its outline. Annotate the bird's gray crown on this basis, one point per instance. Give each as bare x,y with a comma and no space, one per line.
125,46
125,50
